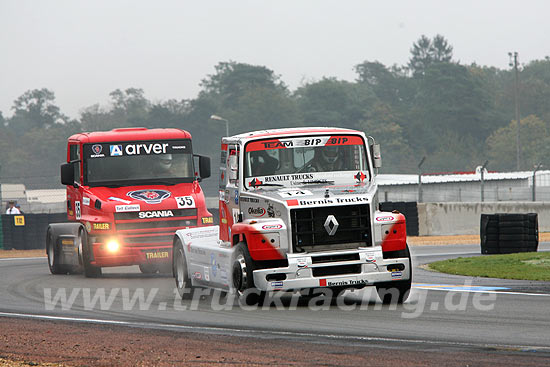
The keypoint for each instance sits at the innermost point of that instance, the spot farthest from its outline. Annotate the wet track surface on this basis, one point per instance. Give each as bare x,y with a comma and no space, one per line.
443,310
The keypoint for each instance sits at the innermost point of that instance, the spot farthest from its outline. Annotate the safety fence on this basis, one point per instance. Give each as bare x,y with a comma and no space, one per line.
26,231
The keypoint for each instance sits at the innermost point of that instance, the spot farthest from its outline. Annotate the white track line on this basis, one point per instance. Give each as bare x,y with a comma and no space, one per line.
23,258
481,291
220,330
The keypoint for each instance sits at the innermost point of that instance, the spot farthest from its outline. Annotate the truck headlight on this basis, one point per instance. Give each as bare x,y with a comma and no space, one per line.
113,246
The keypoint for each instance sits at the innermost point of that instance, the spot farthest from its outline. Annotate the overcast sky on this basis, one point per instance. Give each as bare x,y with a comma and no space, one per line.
83,50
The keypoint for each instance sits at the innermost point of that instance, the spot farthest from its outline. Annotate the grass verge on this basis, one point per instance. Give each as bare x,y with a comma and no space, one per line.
523,266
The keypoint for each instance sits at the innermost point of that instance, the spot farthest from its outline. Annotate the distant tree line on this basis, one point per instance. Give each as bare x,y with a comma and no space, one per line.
456,115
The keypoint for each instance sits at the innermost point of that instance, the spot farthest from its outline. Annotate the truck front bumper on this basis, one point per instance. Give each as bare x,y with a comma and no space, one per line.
347,268
127,255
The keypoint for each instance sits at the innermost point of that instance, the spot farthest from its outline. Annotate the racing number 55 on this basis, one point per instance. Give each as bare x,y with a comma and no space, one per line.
185,202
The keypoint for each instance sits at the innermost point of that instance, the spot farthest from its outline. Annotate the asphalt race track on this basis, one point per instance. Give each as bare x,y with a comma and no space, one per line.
443,311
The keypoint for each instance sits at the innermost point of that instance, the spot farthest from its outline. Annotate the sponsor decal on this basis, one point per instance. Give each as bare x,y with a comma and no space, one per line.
301,262
197,275
149,196
272,226
296,177
255,182
178,147
88,226
127,208
235,212
340,283
248,200
206,274
223,275
67,242
396,275
236,197
151,148
214,265
86,201
294,193
115,150
221,195
371,257
197,251
271,212
102,226
277,284
207,220
119,199
156,214
185,202
78,212
360,176
385,219
157,255
257,212
305,142
343,200
96,150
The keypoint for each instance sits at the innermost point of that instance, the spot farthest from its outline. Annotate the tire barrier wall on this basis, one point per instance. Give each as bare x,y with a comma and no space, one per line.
446,219
409,209
27,231
509,233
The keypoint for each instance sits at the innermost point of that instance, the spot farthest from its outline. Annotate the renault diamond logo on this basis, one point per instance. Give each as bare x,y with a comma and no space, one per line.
331,220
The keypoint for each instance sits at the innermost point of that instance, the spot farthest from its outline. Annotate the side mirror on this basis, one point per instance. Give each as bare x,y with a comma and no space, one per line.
204,166
67,174
376,157
233,167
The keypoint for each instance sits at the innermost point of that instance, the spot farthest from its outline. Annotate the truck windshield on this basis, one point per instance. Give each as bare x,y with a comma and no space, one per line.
144,162
318,158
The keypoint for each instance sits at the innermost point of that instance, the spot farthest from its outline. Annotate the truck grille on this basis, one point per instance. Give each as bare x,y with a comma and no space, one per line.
155,231
309,232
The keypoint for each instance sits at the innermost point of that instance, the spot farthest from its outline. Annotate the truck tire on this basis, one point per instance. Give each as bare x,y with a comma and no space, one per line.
181,272
243,281
396,291
90,271
53,252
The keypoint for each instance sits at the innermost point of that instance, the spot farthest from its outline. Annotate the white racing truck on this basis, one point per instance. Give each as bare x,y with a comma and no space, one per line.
298,210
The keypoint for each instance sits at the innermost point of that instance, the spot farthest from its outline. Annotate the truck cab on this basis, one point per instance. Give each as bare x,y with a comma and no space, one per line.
128,190
299,209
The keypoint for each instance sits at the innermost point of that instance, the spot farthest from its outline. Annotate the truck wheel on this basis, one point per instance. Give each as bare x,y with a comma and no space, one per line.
52,249
181,272
243,281
90,271
397,291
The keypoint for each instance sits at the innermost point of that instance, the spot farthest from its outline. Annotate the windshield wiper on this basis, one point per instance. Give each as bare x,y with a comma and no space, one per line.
317,182
255,183
167,183
268,184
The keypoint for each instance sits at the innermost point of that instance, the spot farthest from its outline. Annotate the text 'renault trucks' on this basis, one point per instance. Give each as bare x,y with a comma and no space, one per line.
298,210
128,190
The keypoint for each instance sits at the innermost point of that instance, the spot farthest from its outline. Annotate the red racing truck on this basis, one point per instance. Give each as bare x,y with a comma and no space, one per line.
128,191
